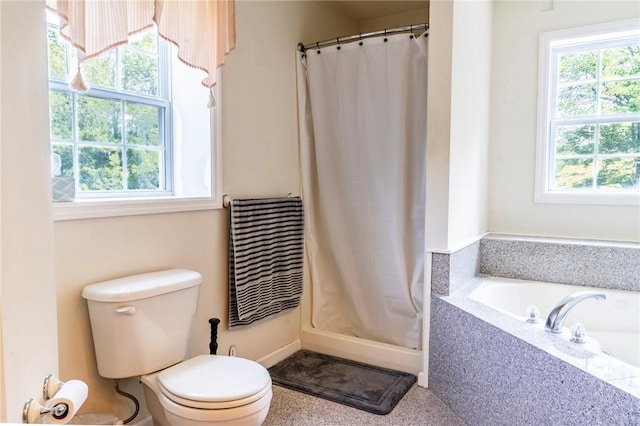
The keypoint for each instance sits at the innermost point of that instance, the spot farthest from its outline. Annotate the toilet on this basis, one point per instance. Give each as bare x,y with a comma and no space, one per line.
142,327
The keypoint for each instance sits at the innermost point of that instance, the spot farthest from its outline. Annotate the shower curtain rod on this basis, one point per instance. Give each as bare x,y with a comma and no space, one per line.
361,36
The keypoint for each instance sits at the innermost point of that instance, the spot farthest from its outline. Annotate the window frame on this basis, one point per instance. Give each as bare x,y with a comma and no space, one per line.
162,101
578,39
156,202
114,207
166,146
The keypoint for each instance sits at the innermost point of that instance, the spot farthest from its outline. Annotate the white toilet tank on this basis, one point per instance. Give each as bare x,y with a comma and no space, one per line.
142,323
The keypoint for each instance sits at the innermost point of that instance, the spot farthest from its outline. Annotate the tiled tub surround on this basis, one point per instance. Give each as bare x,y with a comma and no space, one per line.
492,368
579,262
449,271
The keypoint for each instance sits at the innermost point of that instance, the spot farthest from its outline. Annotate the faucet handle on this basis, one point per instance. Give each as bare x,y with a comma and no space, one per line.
533,314
578,333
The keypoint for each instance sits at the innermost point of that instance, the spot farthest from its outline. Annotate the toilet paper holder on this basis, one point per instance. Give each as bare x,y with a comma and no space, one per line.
50,386
32,411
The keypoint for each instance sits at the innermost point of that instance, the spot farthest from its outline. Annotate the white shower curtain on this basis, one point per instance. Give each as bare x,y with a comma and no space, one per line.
362,111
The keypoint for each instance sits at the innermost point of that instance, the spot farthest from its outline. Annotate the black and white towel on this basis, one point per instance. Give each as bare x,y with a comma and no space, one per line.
265,257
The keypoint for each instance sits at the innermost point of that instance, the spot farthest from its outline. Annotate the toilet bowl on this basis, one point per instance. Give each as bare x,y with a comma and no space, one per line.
209,390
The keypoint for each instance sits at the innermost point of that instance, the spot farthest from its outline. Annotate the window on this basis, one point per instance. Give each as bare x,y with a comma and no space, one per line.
114,139
140,139
589,115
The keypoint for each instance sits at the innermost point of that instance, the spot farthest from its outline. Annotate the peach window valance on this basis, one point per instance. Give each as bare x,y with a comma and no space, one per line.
203,30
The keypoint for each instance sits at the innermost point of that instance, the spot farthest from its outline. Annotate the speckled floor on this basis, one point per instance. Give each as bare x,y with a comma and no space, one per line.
418,407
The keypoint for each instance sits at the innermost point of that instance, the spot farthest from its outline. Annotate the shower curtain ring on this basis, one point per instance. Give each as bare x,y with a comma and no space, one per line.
338,41
360,44
411,32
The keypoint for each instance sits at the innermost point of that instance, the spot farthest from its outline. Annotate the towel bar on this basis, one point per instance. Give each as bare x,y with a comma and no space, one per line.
226,199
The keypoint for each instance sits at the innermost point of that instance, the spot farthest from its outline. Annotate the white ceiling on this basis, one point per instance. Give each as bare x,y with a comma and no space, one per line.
361,10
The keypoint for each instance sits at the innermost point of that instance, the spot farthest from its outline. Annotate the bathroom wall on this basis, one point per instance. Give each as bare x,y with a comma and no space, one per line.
438,124
457,123
513,124
418,16
3,413
28,309
469,143
259,159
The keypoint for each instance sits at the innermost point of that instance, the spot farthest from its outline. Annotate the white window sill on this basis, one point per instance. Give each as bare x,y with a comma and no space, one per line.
95,208
593,198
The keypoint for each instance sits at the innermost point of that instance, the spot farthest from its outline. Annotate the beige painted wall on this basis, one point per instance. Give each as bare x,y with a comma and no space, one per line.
260,158
439,124
513,124
470,104
457,123
418,16
3,411
29,338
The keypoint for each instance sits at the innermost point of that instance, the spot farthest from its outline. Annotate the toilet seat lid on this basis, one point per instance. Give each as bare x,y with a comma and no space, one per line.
209,380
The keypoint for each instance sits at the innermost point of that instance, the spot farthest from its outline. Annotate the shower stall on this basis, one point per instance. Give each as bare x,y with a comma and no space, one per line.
362,109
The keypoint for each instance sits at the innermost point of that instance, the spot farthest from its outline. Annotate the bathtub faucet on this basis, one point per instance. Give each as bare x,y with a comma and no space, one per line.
557,314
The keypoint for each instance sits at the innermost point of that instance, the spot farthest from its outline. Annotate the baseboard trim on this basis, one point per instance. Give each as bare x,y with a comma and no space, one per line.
278,355
423,380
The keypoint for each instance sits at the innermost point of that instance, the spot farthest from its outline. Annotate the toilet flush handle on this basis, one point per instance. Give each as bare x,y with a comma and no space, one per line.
127,310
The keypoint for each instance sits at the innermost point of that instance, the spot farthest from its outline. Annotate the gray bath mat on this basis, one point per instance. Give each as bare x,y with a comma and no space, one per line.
373,389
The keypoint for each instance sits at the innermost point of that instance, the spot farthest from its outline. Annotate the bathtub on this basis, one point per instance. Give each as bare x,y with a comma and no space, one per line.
613,324
492,367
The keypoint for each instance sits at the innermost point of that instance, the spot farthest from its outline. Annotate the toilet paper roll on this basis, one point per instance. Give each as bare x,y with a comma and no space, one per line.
72,395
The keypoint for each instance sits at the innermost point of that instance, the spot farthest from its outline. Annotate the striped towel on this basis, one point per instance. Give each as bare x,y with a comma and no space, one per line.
265,258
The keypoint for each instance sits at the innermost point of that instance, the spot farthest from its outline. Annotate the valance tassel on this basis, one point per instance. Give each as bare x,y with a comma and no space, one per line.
212,100
78,83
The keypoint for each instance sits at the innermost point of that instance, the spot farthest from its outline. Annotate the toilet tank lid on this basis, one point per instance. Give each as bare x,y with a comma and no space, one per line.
141,286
